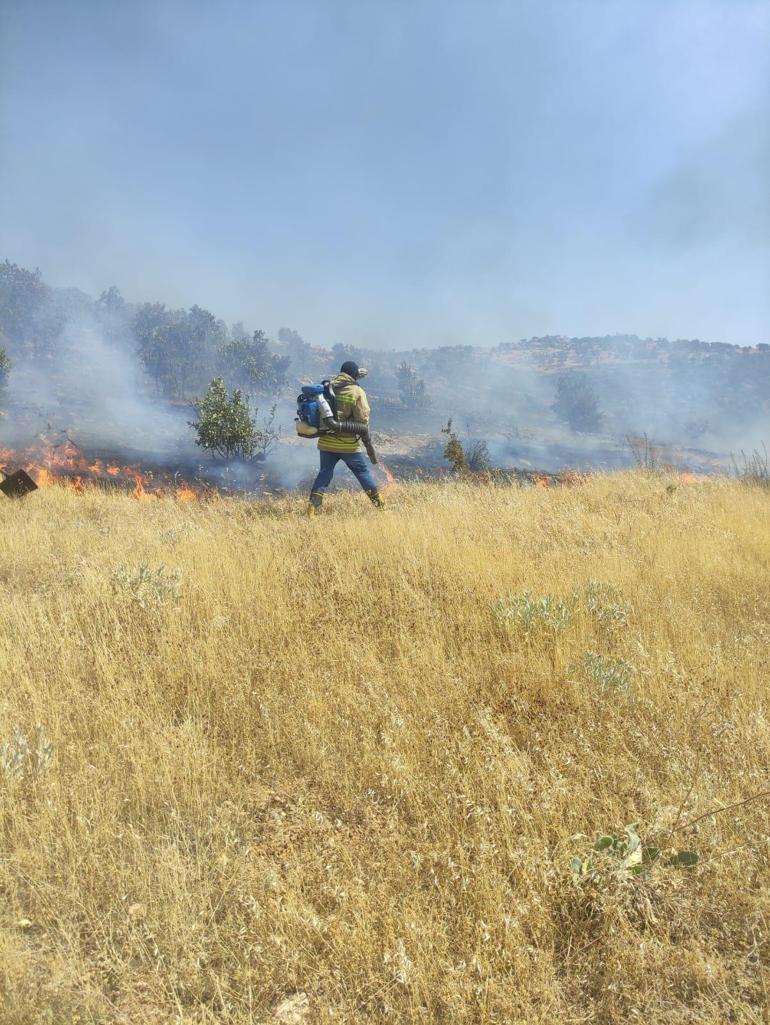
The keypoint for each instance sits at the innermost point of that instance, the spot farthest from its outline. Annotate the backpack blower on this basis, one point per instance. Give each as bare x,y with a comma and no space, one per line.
317,414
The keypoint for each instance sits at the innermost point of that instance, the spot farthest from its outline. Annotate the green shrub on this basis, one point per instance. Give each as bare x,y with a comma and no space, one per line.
226,427
613,859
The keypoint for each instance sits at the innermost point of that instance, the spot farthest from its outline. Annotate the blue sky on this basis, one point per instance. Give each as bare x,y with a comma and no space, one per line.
398,173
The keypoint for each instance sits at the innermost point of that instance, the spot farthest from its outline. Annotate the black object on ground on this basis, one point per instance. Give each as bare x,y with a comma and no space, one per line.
17,484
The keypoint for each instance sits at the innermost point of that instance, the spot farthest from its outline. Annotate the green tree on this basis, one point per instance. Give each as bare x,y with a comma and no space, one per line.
449,361
226,427
197,343
151,327
250,364
177,348
411,388
112,302
342,353
31,320
577,404
113,314
299,351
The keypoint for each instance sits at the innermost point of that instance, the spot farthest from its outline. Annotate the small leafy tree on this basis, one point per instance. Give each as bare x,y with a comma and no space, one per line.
454,453
411,388
469,458
576,403
225,426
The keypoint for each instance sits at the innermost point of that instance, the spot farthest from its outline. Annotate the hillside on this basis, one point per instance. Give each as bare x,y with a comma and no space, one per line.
352,770
121,378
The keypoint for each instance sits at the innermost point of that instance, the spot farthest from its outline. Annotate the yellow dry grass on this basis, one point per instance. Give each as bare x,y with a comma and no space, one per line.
317,779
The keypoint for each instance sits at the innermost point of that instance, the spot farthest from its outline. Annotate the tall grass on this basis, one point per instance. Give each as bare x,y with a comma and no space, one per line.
755,468
265,769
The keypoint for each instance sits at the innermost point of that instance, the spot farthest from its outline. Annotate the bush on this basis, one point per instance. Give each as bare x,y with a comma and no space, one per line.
477,456
226,427
649,457
471,457
576,403
454,453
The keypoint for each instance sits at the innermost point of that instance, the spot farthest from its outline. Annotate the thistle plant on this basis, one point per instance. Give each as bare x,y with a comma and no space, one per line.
612,674
148,586
528,613
25,755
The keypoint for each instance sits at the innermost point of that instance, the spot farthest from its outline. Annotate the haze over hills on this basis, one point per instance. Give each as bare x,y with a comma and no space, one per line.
122,374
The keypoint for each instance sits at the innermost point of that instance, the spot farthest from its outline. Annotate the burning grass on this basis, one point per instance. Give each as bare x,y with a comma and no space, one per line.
62,463
449,763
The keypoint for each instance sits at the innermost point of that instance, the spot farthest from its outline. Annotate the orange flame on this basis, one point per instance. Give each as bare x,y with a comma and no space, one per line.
65,465
572,478
389,478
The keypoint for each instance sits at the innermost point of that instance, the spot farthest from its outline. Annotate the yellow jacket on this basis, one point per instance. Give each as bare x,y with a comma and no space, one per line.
352,404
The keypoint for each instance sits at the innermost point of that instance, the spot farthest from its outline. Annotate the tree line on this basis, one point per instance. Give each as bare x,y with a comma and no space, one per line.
180,350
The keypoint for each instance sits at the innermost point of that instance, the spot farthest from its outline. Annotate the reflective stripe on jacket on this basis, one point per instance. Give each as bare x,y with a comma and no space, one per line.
351,405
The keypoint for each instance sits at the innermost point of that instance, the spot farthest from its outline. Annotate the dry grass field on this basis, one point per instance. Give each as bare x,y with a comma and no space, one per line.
353,769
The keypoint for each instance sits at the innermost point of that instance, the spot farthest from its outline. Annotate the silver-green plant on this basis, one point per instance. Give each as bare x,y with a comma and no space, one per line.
173,535
612,674
527,613
25,755
604,603
148,587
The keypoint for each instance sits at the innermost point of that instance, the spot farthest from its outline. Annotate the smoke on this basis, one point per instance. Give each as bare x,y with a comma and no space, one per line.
92,387
398,174
705,400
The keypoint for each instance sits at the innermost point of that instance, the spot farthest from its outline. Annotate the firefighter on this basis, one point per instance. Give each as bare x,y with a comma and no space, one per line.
352,404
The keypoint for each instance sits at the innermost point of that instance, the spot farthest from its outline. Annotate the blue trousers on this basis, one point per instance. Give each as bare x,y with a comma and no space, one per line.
355,462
